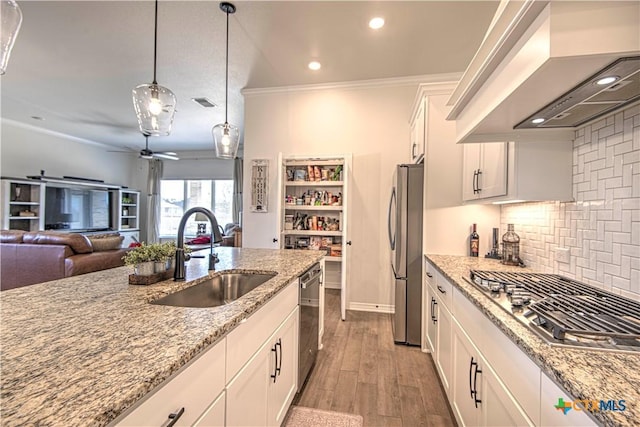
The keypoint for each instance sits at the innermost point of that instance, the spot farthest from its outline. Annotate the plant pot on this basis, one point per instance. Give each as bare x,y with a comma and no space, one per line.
171,263
144,268
160,266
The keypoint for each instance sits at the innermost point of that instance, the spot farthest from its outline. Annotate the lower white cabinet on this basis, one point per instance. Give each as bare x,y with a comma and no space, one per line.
260,394
551,416
249,378
479,397
444,355
187,395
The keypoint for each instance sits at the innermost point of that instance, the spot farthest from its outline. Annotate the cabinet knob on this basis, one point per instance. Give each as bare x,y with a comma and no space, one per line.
275,240
349,242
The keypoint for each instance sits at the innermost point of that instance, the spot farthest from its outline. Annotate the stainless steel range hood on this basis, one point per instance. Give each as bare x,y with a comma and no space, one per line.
614,87
539,58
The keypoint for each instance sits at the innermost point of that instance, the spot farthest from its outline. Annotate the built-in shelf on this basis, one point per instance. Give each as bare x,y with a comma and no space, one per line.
333,258
314,183
311,233
292,207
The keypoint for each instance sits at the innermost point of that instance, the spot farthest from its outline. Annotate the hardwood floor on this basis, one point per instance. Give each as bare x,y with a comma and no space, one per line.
361,371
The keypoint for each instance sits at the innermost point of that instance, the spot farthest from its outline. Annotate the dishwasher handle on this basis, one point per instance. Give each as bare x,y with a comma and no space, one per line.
310,276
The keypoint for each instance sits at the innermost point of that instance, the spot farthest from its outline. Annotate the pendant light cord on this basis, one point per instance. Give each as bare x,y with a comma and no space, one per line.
226,74
155,44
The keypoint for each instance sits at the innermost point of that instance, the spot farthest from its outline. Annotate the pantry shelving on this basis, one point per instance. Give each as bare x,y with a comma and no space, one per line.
313,211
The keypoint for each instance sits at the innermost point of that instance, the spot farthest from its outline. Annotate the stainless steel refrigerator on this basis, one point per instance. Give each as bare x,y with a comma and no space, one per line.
405,239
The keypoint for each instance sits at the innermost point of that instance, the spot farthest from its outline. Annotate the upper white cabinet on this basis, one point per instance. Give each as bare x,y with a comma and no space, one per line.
517,171
533,53
418,130
22,205
484,170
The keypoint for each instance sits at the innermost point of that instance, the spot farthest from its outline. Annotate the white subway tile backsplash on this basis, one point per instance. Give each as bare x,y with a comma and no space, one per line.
601,228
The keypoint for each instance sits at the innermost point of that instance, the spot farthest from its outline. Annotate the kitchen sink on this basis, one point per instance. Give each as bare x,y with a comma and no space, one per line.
219,290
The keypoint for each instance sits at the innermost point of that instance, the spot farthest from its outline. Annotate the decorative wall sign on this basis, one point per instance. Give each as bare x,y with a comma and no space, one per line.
259,185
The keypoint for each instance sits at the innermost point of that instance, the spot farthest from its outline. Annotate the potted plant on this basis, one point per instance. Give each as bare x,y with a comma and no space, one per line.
141,258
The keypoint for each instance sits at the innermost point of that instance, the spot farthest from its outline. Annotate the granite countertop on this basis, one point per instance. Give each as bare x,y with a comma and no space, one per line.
585,374
79,351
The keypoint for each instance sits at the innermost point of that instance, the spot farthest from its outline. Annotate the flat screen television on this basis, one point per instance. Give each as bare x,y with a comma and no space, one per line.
76,209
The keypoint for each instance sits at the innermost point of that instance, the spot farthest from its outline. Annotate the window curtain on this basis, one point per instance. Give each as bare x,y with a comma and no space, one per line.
153,200
237,190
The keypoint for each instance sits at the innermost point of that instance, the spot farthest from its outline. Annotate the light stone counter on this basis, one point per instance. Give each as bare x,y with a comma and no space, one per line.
585,374
79,351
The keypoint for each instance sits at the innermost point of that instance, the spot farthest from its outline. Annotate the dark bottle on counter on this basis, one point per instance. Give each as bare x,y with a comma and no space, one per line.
474,242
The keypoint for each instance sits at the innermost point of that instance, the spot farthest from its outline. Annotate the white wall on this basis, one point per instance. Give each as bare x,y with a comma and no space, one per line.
371,123
602,227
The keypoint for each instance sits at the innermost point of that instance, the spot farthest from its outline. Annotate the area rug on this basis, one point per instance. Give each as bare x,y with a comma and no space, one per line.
300,416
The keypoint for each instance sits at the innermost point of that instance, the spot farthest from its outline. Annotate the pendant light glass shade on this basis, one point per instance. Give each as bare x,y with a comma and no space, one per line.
11,20
225,136
227,139
155,107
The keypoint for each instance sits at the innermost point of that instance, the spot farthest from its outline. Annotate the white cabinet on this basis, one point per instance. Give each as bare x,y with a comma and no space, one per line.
264,388
484,170
418,125
22,205
186,395
522,171
439,324
313,212
479,397
249,378
127,214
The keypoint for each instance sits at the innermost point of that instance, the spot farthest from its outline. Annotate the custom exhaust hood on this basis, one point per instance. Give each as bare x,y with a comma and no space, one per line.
611,88
541,60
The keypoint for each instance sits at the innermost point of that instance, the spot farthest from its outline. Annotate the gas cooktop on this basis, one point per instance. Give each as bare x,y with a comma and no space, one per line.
564,311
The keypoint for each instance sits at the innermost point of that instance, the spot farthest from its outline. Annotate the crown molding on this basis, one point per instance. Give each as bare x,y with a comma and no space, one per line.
54,133
358,84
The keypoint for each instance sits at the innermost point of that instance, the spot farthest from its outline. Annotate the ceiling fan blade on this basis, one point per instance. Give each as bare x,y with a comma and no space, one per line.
166,156
171,153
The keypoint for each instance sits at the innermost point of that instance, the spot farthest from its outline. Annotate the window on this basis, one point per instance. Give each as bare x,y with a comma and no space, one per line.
178,196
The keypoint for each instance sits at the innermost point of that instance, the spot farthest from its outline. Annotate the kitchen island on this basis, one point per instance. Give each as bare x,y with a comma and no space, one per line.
586,374
80,351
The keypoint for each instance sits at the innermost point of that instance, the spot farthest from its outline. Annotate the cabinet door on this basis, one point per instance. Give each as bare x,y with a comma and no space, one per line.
499,408
283,387
214,415
432,321
465,365
247,393
470,167
444,353
492,180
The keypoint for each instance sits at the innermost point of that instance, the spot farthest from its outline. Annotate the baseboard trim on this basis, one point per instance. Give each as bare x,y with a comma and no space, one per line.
376,308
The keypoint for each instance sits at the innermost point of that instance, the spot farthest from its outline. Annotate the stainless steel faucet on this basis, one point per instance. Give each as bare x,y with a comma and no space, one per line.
216,237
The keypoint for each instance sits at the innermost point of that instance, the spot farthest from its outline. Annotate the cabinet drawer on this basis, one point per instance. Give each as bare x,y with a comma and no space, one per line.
430,274
444,289
472,320
193,388
249,336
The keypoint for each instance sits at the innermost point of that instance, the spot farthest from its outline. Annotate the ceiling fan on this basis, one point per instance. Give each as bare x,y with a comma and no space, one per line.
146,153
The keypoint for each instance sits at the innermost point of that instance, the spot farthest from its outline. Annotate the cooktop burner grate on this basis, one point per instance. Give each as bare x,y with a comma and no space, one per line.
565,311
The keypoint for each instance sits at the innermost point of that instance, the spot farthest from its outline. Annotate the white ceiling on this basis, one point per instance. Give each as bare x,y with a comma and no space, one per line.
75,62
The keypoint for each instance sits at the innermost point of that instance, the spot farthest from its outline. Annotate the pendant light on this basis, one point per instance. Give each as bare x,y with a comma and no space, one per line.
11,20
155,105
225,136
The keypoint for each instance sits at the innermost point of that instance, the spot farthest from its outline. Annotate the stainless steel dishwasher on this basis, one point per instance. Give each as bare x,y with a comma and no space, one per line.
309,299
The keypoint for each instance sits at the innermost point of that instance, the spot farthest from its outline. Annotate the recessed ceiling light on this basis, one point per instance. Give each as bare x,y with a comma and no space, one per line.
37,118
606,80
204,102
537,121
314,65
376,23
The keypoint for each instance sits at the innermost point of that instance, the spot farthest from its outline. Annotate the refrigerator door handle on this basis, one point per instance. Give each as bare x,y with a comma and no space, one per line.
392,237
